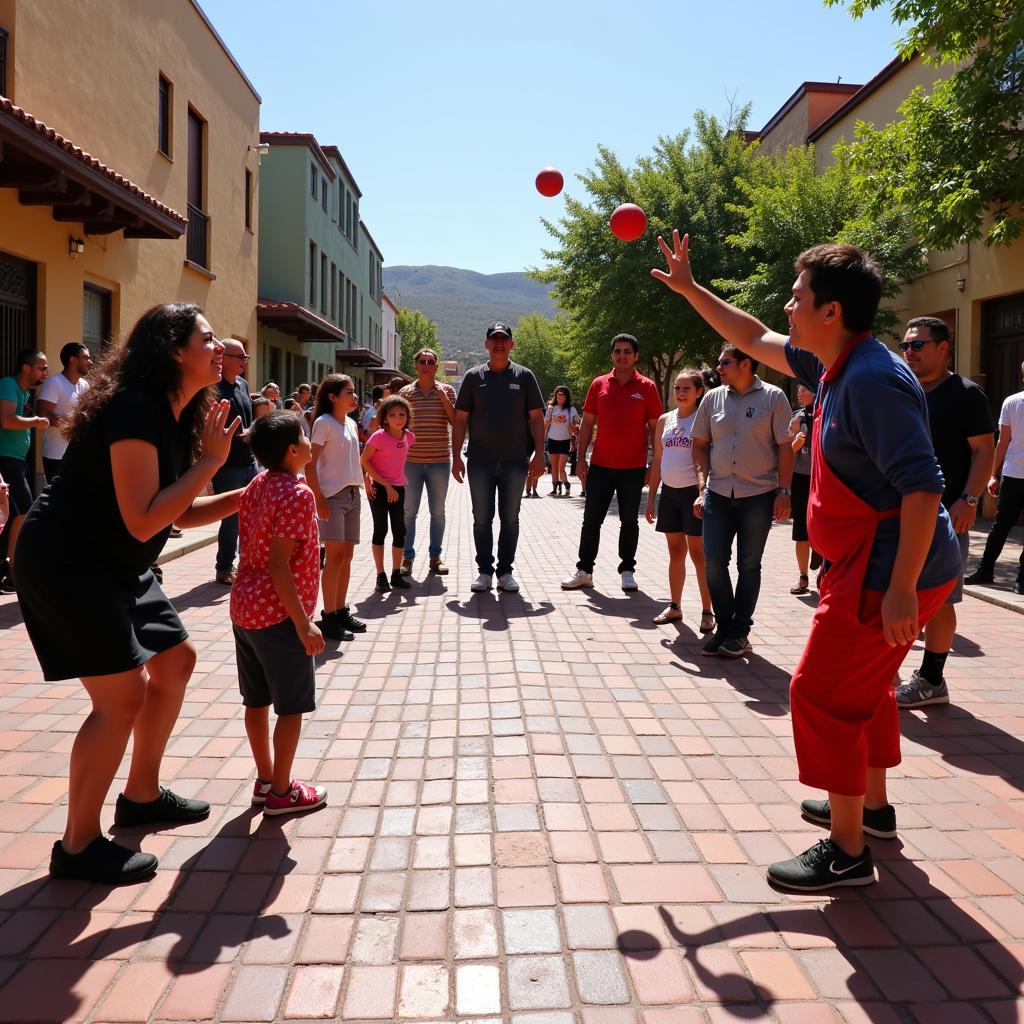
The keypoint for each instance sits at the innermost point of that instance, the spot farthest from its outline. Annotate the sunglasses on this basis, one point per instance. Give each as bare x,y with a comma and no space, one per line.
231,355
915,345
725,362
427,362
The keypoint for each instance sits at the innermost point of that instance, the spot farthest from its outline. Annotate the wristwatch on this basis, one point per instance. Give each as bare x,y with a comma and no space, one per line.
783,490
971,499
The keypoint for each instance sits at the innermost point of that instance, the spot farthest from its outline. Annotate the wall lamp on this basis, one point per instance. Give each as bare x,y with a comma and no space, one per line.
262,148
75,247
961,282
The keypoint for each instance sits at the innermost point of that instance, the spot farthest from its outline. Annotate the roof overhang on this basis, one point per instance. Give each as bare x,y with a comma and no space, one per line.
390,372
359,357
292,318
49,170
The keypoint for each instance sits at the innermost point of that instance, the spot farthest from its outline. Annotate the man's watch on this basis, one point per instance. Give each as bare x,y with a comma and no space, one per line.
783,490
971,499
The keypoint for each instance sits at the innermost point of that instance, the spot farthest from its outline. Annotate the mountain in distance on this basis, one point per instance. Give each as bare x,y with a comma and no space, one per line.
463,303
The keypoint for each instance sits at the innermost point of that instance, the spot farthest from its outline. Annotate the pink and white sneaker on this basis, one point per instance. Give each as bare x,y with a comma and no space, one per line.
301,797
260,792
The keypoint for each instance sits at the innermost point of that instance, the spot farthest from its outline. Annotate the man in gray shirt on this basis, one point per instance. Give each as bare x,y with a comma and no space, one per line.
744,464
501,404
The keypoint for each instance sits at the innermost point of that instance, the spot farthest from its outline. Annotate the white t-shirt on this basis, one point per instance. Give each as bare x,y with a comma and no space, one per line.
368,413
338,465
561,422
677,451
65,396
1012,415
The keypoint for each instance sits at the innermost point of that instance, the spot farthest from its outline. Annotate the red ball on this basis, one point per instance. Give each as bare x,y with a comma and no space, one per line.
628,222
549,182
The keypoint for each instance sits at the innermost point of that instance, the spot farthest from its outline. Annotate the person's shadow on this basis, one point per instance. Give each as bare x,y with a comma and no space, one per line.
846,921
202,595
214,904
494,611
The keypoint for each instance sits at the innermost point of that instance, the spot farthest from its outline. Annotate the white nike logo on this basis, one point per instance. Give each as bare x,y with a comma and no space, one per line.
843,871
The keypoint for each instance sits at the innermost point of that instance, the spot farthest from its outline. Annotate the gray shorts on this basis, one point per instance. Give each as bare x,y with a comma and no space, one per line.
274,668
956,595
346,507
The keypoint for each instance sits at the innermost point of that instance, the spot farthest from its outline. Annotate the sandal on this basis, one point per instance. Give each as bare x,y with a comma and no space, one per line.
802,586
707,621
670,614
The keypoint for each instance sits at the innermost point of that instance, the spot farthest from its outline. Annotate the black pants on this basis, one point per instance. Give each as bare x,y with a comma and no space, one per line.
627,485
382,510
1011,504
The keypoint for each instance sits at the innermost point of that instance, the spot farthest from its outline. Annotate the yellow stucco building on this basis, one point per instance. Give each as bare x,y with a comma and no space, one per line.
977,290
128,171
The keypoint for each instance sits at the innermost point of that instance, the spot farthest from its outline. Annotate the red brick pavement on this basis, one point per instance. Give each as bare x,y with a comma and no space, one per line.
543,810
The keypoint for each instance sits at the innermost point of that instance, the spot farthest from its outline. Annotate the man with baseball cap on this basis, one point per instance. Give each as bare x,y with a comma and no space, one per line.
501,405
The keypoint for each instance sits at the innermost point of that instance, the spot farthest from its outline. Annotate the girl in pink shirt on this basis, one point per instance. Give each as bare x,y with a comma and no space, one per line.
383,461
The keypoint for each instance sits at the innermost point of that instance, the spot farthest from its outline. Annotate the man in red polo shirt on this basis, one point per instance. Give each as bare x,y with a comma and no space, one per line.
626,405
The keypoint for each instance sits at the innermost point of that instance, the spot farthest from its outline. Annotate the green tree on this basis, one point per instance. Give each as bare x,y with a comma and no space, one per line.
542,345
953,160
604,285
416,332
788,207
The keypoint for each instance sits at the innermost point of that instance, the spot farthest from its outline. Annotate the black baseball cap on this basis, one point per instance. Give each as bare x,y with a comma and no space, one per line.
499,328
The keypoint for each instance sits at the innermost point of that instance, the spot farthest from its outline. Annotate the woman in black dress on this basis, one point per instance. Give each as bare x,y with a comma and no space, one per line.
145,442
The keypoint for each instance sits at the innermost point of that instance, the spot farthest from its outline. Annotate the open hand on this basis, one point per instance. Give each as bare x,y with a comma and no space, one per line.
900,623
458,468
217,432
679,276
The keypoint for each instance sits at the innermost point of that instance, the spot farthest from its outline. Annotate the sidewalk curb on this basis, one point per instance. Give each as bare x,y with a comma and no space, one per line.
186,547
997,599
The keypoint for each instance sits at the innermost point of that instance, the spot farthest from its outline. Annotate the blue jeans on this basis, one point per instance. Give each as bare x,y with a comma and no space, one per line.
434,476
507,478
230,478
748,520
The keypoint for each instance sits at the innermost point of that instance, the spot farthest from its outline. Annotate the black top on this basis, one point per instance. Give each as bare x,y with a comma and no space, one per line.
82,499
957,409
241,405
499,405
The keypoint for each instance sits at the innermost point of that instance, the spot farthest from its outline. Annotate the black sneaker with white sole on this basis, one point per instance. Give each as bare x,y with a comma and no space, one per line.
824,866
879,822
734,647
713,645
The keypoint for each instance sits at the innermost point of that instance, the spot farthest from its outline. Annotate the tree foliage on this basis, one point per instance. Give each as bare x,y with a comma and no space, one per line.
953,159
542,345
787,207
416,332
604,285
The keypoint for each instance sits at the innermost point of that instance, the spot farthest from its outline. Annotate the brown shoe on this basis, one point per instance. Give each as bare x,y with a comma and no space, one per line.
225,576
406,567
438,568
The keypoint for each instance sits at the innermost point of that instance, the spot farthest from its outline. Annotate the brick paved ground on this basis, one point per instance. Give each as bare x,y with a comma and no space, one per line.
543,810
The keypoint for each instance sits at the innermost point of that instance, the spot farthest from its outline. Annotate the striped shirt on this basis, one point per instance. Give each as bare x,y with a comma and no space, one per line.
429,420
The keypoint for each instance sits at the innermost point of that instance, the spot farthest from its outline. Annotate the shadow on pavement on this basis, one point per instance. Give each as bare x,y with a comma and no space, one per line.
214,904
495,610
202,595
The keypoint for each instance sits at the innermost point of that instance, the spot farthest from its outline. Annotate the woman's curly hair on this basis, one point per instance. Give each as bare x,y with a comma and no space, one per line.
143,362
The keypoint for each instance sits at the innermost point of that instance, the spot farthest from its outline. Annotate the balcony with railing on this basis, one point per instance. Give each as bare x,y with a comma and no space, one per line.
197,249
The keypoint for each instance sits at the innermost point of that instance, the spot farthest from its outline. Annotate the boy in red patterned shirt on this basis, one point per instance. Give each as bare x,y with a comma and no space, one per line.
272,601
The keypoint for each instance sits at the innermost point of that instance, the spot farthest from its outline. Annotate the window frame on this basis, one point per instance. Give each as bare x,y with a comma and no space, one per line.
4,37
249,183
165,118
312,276
314,178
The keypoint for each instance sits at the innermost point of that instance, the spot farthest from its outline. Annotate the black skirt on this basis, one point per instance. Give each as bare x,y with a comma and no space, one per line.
83,618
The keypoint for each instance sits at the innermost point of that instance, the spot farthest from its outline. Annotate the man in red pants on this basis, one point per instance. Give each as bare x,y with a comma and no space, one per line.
891,557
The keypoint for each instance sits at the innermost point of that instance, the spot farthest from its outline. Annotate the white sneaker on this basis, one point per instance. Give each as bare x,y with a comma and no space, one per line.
508,582
578,579
629,581
482,582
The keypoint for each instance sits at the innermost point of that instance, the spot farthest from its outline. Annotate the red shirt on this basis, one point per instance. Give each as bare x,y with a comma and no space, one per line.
274,505
622,412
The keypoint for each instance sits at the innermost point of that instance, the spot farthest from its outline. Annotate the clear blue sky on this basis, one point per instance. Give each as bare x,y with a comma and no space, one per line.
445,111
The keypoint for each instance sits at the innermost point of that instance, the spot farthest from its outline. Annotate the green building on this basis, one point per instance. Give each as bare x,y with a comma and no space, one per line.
320,271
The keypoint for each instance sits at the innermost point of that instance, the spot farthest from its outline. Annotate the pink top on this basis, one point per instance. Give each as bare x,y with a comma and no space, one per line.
390,454
274,505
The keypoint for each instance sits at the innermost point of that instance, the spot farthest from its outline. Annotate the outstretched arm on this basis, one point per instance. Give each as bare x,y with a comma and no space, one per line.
741,329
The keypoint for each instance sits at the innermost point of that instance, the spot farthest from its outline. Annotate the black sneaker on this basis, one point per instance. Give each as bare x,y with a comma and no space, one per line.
349,621
101,861
332,627
734,647
382,583
398,581
978,576
168,808
823,866
713,646
7,585
879,822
